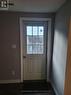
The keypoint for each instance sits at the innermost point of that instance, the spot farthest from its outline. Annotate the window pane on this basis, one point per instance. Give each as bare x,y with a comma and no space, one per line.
35,30
40,49
41,30
29,49
35,39
29,30
29,39
40,39
35,49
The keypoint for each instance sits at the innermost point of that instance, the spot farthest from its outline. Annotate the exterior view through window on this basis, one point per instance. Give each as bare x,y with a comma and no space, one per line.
35,39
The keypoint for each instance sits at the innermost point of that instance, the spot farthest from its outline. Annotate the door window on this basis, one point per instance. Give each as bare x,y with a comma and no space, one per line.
35,39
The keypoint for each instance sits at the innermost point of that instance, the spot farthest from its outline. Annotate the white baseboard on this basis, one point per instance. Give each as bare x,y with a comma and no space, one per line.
9,81
56,93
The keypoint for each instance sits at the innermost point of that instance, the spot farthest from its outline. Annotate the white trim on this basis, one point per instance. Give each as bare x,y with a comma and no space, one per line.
9,81
21,50
34,19
21,47
49,50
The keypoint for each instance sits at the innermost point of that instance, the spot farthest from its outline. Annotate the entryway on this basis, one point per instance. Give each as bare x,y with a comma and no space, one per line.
34,44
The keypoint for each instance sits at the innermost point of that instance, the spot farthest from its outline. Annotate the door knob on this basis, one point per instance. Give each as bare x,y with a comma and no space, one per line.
24,56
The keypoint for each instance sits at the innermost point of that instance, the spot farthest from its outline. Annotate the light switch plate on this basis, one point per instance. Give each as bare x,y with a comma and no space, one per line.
13,72
14,46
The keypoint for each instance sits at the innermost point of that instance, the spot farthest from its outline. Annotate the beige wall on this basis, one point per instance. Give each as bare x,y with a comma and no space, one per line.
10,67
9,31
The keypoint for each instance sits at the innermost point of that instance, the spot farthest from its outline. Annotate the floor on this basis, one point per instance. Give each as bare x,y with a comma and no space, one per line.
38,94
27,88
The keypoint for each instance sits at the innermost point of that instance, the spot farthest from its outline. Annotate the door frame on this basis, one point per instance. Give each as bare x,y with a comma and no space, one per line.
21,39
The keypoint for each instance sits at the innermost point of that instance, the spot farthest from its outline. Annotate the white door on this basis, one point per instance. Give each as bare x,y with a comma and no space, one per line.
34,50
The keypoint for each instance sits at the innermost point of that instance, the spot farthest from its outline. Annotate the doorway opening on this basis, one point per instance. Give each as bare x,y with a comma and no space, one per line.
34,36
34,46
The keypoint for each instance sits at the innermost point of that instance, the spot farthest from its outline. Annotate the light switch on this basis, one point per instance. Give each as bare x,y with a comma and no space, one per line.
14,46
13,72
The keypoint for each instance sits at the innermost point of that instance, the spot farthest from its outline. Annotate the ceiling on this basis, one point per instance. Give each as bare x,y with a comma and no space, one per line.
36,5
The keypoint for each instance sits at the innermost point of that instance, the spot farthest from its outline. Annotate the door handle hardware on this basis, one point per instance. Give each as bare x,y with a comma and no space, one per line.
24,56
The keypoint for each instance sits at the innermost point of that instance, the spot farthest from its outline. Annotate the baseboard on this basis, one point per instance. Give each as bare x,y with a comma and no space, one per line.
9,81
56,93
34,80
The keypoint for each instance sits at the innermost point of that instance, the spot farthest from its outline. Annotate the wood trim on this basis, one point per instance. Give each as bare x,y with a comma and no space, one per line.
67,90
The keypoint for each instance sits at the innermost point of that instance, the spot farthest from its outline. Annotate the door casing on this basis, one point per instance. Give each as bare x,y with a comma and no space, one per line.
21,40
